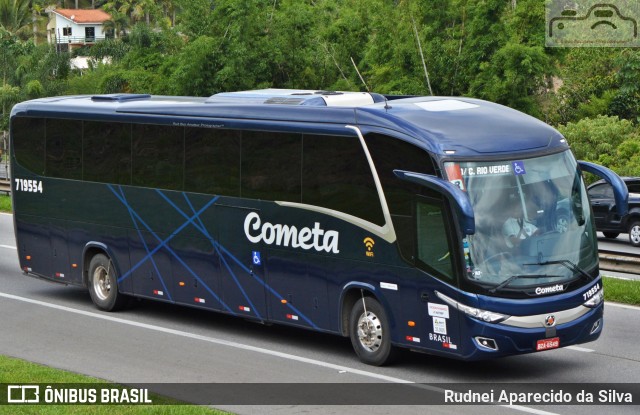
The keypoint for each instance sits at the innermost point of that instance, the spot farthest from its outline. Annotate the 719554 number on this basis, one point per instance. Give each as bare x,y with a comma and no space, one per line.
26,185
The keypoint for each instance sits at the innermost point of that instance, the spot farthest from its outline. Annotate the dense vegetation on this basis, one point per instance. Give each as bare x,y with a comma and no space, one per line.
490,49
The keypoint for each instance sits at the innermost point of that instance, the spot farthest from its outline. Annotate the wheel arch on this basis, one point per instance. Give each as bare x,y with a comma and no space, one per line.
633,215
352,292
90,250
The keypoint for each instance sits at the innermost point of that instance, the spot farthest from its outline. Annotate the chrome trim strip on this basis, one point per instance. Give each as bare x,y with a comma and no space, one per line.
537,321
386,232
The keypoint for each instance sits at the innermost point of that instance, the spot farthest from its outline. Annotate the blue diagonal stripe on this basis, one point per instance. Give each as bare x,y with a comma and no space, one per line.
144,243
163,244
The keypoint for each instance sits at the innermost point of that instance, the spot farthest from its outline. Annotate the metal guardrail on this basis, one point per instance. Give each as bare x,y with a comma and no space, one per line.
5,186
619,261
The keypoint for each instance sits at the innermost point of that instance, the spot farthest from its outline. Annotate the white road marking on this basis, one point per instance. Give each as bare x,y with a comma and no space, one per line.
8,247
627,306
248,348
580,349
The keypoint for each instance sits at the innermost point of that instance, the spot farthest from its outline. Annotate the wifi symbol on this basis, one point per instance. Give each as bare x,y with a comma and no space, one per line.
369,242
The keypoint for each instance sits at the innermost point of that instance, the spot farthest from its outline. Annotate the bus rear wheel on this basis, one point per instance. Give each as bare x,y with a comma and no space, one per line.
370,333
103,284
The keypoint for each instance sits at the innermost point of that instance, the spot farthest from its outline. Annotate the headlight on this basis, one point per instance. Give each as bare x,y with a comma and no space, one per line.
595,300
477,313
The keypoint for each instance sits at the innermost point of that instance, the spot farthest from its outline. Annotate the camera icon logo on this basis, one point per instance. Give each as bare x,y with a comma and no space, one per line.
592,23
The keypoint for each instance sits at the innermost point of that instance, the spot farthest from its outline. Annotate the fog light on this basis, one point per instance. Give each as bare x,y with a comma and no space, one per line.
487,343
596,326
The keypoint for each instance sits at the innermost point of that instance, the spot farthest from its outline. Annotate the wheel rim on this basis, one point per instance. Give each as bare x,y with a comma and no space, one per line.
634,234
101,282
370,332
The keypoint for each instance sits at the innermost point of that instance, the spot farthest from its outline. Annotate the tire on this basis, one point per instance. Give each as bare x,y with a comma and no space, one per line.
634,233
103,285
371,333
611,235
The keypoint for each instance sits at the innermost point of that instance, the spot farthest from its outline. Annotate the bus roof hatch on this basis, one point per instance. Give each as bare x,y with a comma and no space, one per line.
301,97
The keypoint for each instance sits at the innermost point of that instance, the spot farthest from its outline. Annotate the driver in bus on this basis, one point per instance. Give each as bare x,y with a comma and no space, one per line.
519,227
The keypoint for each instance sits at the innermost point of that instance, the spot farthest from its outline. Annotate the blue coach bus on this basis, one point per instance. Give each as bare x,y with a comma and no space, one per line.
451,226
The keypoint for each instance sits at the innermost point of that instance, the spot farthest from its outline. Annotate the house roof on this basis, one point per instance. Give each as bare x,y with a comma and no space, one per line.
84,16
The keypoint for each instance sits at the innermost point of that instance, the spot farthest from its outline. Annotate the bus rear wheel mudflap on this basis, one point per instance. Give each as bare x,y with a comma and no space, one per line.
369,331
103,284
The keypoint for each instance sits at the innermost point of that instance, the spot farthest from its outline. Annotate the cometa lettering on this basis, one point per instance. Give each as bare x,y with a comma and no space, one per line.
549,290
285,235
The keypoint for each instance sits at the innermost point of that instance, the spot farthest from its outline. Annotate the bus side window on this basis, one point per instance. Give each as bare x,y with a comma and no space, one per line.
64,149
433,251
336,175
28,137
391,153
158,154
271,166
106,152
212,161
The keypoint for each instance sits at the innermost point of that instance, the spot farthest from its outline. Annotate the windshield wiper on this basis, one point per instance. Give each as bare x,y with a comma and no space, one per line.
515,277
573,267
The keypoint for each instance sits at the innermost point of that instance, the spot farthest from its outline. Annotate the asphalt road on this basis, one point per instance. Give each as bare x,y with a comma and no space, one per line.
620,244
59,327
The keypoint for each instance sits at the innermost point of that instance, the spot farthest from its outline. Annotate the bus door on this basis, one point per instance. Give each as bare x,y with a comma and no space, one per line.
438,325
242,264
437,257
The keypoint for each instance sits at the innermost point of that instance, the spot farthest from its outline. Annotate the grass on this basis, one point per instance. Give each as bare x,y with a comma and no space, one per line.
621,291
5,204
16,371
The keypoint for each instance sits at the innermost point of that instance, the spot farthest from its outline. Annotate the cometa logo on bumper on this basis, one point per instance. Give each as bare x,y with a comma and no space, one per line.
285,235
549,290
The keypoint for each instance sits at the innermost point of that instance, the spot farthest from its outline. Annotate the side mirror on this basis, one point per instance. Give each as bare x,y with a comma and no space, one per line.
620,191
458,198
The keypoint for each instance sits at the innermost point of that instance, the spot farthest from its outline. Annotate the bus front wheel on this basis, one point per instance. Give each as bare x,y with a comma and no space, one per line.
103,285
370,333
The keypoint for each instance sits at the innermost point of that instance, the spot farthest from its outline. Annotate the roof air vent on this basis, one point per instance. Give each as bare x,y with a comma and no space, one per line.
119,97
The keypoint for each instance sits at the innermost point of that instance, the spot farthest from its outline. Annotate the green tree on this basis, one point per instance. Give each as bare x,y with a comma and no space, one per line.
15,16
601,139
513,76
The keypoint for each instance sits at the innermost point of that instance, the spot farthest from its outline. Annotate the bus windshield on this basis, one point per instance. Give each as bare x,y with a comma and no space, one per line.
533,223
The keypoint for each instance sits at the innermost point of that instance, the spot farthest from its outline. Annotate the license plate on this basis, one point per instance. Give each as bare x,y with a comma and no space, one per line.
546,344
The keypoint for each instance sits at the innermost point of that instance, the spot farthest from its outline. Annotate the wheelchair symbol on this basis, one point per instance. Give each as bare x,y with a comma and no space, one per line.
518,168
255,255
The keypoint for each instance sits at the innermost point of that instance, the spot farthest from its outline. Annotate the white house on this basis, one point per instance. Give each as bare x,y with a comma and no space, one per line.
75,27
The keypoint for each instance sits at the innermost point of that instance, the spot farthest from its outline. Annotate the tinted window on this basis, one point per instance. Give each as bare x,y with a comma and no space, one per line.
64,149
28,137
271,164
433,251
107,152
212,161
389,154
158,156
337,175
601,191
633,187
